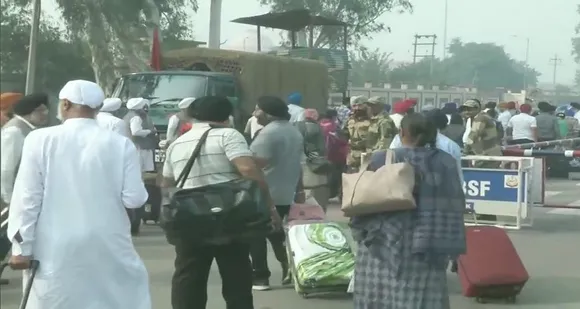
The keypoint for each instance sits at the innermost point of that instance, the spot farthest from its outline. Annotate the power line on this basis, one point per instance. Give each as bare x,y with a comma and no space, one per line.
425,40
556,61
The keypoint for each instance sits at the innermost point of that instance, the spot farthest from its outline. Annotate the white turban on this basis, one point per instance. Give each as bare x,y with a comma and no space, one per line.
111,104
82,92
185,103
137,103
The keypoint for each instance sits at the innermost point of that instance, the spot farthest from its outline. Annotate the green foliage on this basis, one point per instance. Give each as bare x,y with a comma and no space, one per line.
483,65
369,66
174,20
58,60
360,15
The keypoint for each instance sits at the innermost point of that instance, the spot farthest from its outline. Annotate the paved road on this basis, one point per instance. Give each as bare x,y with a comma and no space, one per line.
549,250
562,192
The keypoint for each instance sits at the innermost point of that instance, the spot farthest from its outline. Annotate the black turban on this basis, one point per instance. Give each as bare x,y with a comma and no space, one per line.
27,104
545,107
274,106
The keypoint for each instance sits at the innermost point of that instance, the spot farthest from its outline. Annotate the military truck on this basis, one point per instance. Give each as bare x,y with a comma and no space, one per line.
241,76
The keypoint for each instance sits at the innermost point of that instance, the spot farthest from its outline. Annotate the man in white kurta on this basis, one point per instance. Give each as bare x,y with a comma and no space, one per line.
142,132
107,120
176,121
68,211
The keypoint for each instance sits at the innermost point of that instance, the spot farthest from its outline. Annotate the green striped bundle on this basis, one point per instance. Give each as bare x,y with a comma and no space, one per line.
334,267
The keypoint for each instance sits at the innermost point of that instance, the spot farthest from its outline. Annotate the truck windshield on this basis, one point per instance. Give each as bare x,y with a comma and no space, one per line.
161,87
164,91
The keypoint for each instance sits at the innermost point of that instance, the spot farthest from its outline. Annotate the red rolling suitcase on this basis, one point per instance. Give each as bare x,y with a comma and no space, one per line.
491,268
306,212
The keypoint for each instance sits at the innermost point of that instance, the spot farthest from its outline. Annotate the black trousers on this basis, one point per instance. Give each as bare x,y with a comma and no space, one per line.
335,179
259,249
192,267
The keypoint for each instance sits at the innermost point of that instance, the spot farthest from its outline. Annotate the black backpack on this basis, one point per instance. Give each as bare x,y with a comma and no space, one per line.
218,212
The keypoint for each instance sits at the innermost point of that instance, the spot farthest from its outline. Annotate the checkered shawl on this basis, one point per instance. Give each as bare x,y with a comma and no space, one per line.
437,223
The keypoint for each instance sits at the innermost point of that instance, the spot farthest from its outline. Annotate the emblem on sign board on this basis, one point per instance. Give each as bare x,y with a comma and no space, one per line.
511,181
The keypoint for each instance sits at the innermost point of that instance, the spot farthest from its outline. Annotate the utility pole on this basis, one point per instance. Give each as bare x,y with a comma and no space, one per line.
425,40
215,17
31,65
556,61
445,29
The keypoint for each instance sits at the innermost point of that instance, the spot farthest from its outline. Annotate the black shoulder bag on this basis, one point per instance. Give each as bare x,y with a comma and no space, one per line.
215,213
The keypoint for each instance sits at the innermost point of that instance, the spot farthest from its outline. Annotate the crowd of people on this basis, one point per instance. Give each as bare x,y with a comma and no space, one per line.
67,188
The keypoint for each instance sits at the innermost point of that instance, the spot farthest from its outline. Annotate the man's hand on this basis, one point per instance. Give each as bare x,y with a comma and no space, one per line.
19,262
276,220
300,197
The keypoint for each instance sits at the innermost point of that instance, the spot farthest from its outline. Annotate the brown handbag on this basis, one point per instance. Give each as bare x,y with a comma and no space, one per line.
389,188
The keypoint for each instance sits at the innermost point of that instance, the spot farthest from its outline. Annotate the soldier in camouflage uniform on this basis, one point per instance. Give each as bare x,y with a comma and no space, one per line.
382,129
356,131
483,138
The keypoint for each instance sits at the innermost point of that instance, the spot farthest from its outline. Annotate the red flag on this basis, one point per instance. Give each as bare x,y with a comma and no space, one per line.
156,51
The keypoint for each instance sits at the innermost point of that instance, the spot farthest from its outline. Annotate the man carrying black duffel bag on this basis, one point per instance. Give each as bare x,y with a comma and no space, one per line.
222,202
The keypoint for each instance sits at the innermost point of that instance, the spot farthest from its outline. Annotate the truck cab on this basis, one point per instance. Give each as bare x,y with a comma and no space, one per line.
166,88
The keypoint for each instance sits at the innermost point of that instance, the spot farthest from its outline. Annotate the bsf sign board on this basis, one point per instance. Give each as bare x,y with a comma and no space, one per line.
496,192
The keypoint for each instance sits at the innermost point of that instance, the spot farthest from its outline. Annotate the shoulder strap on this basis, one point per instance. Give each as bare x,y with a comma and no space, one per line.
389,156
187,169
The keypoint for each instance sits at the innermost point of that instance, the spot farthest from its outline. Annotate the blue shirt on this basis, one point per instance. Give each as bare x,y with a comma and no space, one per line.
443,143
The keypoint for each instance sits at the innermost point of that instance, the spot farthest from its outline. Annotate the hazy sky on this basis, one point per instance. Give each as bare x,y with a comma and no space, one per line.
548,24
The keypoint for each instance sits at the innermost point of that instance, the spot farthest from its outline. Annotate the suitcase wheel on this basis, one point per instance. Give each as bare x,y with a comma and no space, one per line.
303,295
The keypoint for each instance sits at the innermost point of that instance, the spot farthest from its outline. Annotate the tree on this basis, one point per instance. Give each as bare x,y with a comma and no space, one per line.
119,33
369,66
360,15
482,65
58,59
559,88
576,49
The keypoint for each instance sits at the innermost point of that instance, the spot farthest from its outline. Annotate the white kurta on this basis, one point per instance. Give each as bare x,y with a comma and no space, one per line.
146,155
68,205
108,121
173,128
11,142
253,126
296,113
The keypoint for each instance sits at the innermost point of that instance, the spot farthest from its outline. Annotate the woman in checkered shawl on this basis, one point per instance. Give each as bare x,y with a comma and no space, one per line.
402,257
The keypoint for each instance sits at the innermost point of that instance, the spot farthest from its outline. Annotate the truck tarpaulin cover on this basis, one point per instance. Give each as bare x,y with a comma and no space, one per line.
260,74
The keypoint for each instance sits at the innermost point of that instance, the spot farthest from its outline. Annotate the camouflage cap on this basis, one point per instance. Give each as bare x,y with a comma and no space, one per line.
471,103
377,100
358,100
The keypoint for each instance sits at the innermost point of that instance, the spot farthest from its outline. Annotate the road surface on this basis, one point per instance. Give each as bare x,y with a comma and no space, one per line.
550,251
561,192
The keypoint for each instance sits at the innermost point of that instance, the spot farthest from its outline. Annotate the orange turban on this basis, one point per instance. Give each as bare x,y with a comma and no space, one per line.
8,99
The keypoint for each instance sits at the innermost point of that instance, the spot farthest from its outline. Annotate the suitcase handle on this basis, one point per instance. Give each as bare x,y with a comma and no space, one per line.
471,211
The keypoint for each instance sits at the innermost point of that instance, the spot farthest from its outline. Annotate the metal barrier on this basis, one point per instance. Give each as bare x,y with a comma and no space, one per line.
502,194
559,142
516,152
537,195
